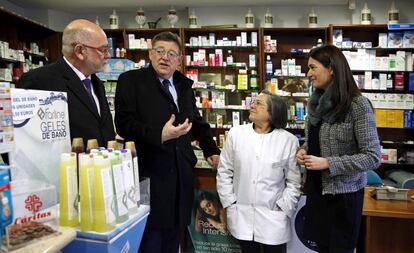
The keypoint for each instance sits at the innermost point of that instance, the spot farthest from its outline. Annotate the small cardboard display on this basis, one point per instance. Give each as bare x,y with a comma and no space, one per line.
41,133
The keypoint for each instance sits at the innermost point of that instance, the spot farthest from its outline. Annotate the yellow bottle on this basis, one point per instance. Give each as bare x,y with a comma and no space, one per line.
121,210
86,169
103,205
68,191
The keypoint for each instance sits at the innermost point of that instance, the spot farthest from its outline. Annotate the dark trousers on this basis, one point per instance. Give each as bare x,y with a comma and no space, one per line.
160,241
256,247
324,249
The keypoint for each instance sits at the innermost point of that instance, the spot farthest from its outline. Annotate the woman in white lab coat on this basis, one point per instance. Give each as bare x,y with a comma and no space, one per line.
258,179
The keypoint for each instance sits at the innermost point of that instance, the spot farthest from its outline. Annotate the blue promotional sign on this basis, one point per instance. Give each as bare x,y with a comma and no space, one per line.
298,243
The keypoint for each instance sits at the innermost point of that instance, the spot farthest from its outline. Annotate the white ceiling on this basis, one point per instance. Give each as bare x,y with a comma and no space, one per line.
83,6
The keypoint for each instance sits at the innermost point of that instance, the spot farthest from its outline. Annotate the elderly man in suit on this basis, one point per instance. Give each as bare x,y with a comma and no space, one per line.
85,52
155,107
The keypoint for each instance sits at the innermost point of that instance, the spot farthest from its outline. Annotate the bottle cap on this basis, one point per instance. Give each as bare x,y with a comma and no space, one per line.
130,145
77,142
112,144
92,143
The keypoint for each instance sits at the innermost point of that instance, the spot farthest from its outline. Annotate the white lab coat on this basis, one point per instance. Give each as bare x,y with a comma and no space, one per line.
259,172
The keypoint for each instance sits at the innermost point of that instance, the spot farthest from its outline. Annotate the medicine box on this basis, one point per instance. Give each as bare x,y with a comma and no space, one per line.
395,39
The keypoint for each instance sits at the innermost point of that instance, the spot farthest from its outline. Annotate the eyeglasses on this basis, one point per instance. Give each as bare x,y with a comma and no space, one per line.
103,50
258,103
160,52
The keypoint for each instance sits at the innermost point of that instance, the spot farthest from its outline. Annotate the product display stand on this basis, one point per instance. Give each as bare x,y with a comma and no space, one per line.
126,237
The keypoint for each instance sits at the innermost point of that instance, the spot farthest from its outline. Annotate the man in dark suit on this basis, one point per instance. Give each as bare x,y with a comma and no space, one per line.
155,107
85,52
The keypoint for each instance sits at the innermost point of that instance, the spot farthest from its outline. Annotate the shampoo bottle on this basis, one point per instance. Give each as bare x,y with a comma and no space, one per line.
86,191
103,205
68,191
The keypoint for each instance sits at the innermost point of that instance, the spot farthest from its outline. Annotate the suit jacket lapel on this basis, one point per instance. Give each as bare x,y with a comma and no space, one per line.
76,86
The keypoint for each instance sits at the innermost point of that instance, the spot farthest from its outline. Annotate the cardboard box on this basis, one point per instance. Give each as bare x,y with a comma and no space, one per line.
395,39
408,39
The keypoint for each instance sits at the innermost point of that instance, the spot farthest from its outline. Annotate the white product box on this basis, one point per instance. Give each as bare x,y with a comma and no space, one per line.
254,39
243,39
238,41
368,80
252,60
409,101
400,61
372,59
202,55
337,35
383,81
408,61
212,39
384,63
382,40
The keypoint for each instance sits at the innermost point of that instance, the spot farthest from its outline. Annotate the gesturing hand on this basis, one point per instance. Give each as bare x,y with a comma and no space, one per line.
169,131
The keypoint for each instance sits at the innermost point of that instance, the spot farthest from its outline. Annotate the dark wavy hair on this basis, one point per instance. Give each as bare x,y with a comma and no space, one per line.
344,88
213,198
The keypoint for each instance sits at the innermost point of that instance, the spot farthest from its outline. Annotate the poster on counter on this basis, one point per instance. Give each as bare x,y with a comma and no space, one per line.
298,243
208,228
41,134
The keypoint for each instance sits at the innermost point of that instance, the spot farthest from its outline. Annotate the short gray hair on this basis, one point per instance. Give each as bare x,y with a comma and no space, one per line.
72,36
277,109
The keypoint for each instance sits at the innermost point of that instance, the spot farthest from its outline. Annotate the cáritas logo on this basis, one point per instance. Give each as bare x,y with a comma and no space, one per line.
33,204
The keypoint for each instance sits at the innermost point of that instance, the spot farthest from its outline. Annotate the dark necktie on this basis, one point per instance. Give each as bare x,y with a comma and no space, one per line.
166,86
88,85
